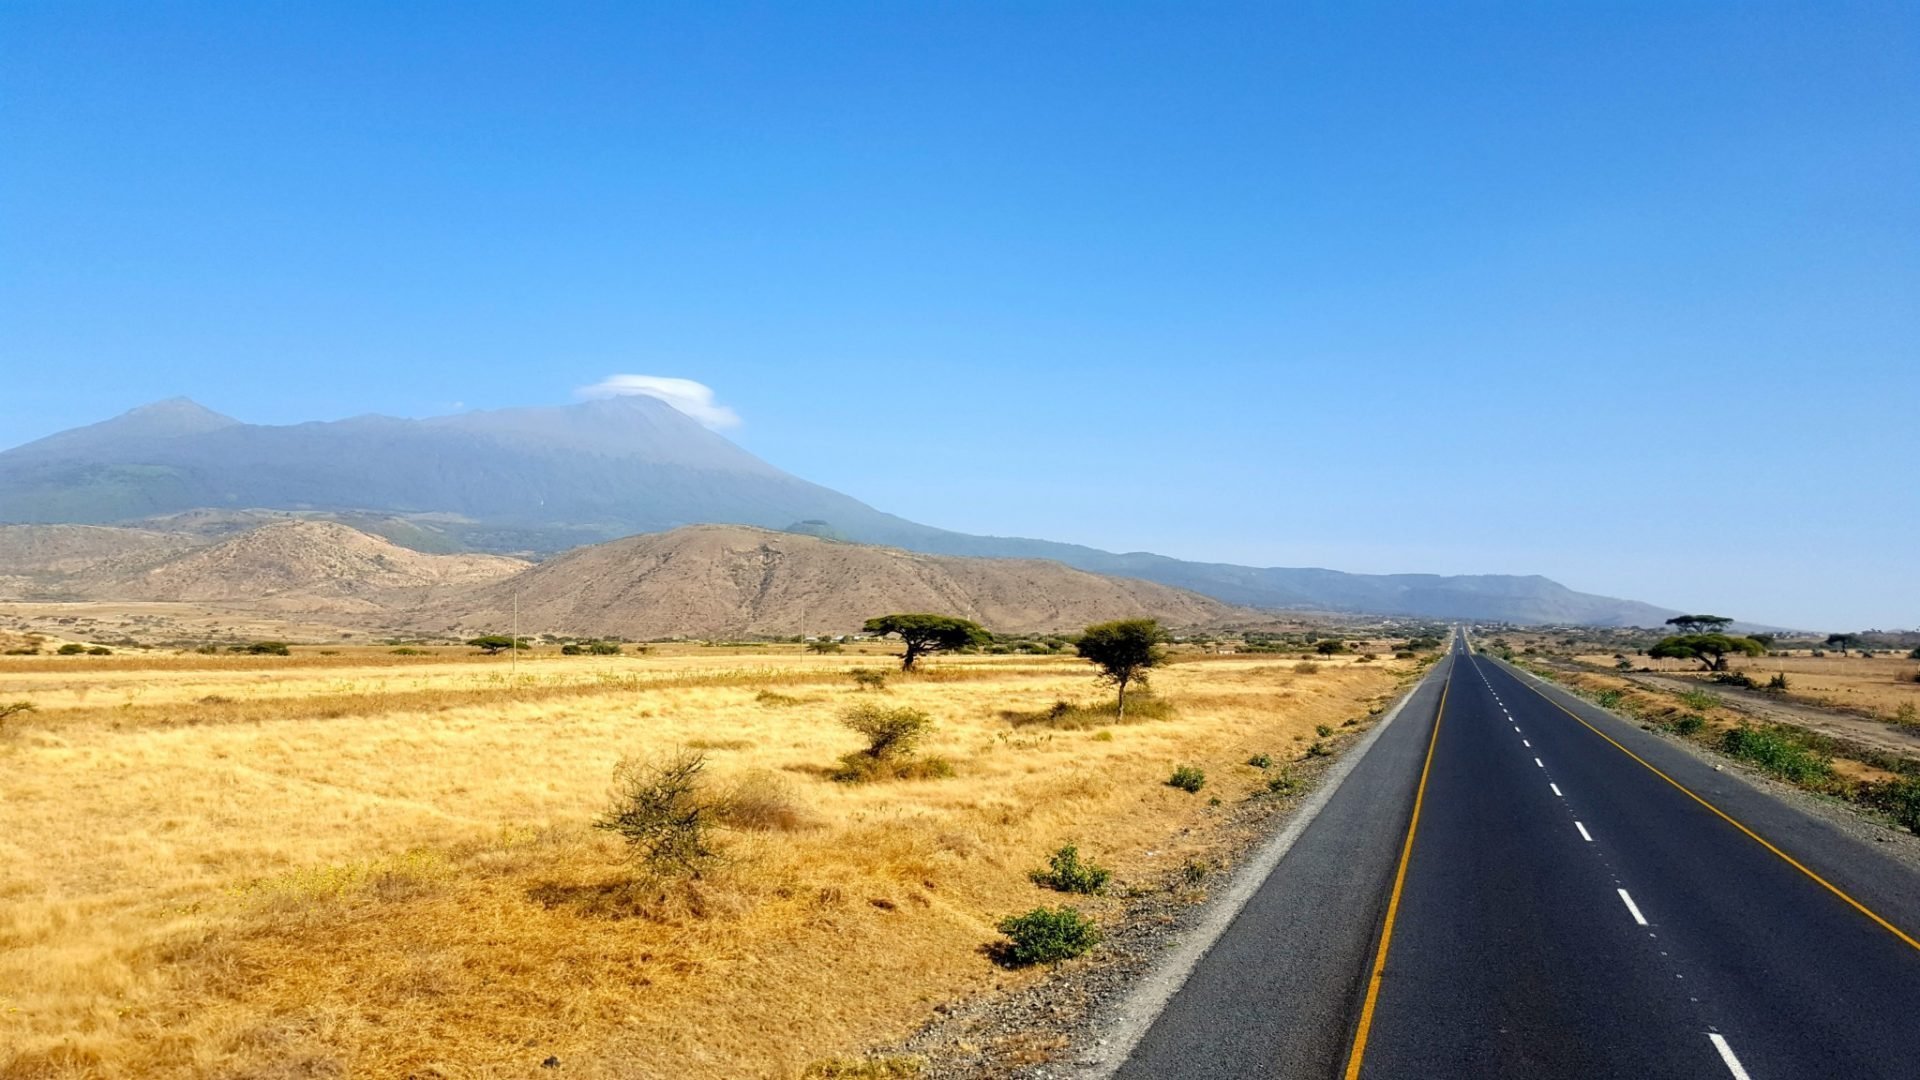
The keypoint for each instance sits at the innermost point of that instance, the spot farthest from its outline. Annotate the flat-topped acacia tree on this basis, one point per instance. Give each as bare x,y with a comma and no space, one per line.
1124,650
924,633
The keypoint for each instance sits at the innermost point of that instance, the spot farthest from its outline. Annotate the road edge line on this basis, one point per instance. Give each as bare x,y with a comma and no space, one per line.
1136,1013
1836,890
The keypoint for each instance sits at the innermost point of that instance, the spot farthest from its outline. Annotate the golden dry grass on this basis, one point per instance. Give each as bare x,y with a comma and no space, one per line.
402,882
1877,685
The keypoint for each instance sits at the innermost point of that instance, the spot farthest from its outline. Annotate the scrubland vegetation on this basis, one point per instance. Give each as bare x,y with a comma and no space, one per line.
697,862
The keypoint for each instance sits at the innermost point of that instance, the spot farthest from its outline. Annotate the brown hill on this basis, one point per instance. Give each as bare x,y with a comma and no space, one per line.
718,580
57,562
308,566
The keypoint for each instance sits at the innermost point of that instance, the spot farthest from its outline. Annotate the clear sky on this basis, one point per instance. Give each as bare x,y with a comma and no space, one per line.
1624,294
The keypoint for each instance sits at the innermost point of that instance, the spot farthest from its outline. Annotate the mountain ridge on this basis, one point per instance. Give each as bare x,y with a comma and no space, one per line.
544,479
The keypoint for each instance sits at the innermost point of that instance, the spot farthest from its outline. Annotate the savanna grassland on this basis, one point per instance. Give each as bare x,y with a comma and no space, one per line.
367,864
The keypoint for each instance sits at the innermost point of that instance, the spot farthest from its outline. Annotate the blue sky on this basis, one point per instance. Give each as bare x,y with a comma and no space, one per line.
1624,294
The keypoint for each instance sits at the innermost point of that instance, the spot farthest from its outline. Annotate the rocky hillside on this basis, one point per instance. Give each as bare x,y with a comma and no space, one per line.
731,580
307,566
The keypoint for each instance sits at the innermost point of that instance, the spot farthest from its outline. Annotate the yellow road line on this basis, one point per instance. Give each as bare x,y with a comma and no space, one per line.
1729,819
1360,1033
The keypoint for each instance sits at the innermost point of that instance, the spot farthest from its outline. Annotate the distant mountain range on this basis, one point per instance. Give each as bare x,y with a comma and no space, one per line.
537,481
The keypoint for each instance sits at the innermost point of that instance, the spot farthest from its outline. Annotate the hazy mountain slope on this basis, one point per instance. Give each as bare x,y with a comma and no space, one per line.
544,480
308,566
722,580
67,562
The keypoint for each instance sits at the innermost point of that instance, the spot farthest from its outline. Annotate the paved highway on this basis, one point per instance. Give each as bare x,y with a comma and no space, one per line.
1516,884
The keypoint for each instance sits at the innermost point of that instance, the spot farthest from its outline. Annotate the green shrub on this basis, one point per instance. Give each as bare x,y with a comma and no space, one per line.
1907,715
1734,678
1914,655
1609,699
71,648
1622,664
1067,872
99,650
1778,682
825,645
28,651
660,811
1188,778
1047,936
268,648
1322,730
1698,700
1898,799
1260,761
1778,752
1316,748
892,735
1283,783
1686,724
406,651
869,678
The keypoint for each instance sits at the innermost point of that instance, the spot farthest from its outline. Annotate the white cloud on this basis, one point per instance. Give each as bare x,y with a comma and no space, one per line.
692,398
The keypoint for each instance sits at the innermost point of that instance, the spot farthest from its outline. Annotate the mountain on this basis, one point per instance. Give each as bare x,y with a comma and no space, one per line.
545,479
711,580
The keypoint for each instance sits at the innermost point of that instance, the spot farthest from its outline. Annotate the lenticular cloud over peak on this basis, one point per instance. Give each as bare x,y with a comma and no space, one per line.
695,399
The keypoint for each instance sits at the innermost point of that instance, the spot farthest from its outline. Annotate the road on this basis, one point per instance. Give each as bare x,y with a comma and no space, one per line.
1516,884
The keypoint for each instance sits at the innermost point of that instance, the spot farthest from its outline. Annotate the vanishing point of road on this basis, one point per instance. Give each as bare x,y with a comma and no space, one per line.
1515,884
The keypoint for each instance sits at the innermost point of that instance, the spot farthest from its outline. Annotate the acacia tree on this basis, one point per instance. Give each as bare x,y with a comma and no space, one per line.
924,633
492,644
1125,650
1699,624
1843,642
1710,649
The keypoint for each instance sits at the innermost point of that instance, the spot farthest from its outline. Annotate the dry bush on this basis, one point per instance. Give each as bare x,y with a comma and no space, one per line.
1305,667
892,734
762,801
1065,715
664,814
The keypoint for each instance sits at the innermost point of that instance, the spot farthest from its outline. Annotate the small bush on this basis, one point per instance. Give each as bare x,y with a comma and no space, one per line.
1068,716
1734,678
1188,778
1623,664
1319,749
825,645
1067,872
572,649
1898,799
1260,761
1907,715
1047,936
1322,730
99,650
1283,783
28,651
1686,724
268,648
1779,753
869,678
1305,667
1366,658
1698,700
1778,682
12,709
71,648
775,698
660,811
761,801
405,651
892,735
1914,655
1609,699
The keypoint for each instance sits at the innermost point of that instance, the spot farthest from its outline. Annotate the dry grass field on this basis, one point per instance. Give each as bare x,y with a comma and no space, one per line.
364,864
1876,686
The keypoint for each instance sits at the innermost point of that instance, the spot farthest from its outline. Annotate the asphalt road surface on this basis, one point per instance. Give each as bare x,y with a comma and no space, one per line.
1516,884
